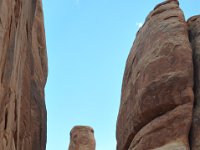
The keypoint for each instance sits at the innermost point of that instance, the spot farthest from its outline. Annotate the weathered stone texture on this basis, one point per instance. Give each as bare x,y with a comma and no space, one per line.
194,32
157,91
23,74
82,138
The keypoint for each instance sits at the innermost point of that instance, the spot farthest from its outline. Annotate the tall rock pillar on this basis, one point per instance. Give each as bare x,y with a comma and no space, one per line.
23,74
157,92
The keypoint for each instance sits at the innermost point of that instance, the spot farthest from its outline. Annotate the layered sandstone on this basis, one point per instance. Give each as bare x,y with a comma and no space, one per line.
157,92
194,35
82,138
23,74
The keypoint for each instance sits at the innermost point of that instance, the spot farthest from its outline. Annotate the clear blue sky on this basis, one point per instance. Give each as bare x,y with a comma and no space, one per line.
88,42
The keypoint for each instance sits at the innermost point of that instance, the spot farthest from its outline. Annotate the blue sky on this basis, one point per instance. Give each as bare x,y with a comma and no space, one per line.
88,42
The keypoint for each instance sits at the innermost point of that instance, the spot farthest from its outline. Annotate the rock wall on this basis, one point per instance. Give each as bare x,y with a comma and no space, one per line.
157,92
194,31
82,138
23,74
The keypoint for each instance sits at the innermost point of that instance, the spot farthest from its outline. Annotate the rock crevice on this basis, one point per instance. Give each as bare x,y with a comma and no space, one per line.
194,36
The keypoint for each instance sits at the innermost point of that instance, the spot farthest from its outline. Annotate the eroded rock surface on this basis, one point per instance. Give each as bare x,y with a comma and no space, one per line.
157,92
23,74
194,31
82,138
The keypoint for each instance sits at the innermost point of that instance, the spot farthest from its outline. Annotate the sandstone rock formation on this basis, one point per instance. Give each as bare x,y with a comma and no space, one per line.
23,74
157,92
194,31
82,138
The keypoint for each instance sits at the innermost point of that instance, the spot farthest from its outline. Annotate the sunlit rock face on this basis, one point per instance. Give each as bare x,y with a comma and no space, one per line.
194,35
82,138
23,74
157,93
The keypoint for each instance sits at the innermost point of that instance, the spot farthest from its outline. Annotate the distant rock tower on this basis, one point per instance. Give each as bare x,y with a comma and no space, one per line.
82,138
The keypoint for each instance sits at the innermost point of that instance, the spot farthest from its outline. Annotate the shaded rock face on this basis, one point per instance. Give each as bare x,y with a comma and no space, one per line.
23,74
194,31
82,138
157,92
